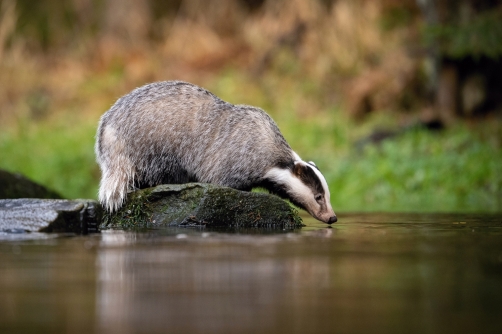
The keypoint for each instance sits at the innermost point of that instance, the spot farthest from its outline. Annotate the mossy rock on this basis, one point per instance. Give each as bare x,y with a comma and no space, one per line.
13,185
201,204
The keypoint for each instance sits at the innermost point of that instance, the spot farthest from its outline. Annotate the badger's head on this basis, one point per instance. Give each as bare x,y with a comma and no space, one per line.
305,186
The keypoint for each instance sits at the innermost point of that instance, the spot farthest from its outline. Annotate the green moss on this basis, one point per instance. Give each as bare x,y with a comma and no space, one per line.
207,205
135,213
241,209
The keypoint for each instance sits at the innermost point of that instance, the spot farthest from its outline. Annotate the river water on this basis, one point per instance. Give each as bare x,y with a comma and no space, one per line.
368,273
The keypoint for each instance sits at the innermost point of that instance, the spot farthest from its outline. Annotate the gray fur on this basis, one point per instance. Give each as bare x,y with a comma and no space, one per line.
176,132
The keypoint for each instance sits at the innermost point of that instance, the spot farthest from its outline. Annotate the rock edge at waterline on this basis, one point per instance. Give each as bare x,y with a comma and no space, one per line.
50,215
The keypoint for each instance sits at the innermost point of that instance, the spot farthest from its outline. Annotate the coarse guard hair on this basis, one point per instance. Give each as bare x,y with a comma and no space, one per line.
175,132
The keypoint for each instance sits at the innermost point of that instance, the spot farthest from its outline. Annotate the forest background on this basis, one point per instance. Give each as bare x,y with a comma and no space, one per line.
398,102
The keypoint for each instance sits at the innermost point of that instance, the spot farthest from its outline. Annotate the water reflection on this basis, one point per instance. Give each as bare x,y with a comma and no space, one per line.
369,273
202,284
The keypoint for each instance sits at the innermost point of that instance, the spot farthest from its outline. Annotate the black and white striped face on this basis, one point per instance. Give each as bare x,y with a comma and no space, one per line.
307,188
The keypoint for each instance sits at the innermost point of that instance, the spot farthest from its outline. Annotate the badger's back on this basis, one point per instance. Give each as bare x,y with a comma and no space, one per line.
176,132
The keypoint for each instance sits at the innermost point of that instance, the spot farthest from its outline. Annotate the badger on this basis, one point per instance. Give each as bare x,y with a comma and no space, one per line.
175,132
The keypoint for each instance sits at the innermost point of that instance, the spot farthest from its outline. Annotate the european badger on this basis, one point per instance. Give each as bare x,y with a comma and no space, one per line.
176,132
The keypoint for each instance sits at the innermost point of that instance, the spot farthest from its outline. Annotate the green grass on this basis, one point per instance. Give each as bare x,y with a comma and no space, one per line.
57,155
453,171
456,170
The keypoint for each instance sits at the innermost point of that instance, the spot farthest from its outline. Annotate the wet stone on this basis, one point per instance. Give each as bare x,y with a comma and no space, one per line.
202,205
49,215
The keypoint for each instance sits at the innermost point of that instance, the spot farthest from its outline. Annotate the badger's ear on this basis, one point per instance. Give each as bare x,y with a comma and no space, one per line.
311,163
298,169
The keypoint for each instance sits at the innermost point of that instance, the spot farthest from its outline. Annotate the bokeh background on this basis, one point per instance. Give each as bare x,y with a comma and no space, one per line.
399,102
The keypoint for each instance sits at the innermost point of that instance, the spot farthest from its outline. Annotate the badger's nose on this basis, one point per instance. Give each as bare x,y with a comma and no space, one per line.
332,220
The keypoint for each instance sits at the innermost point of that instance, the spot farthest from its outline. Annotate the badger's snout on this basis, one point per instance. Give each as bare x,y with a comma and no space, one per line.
325,217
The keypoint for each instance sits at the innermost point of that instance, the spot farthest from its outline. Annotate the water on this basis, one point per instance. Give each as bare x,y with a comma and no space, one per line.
369,273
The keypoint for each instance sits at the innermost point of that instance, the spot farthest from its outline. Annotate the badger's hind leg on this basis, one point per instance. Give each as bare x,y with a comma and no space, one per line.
118,172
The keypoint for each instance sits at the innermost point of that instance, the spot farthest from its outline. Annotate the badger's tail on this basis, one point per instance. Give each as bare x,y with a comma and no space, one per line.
117,171
115,183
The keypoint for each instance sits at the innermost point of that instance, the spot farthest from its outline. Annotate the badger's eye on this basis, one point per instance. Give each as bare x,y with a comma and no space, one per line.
318,197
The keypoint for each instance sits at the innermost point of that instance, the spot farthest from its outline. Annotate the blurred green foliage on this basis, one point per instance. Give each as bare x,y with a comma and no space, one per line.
421,171
480,37
58,155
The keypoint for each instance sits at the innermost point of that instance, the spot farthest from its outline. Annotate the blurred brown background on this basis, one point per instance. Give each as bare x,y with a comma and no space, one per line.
440,58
